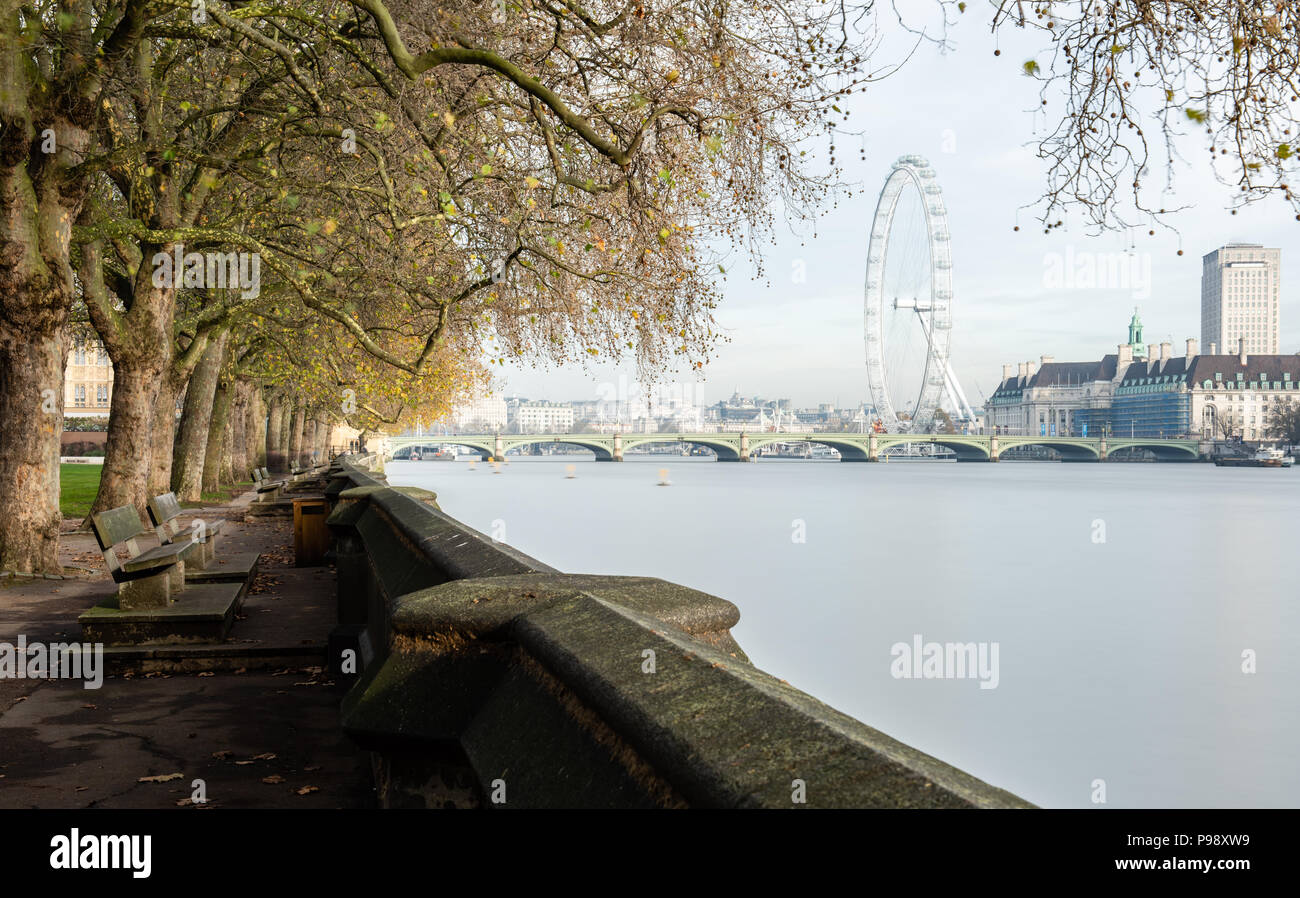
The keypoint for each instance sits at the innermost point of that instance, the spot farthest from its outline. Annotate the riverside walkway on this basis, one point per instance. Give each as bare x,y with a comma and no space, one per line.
255,718
475,677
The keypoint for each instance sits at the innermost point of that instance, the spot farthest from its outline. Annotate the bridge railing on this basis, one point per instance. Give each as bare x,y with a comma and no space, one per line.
485,677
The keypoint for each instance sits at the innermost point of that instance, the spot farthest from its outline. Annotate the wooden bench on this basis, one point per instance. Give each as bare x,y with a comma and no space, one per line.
265,486
304,471
266,477
201,557
147,579
165,515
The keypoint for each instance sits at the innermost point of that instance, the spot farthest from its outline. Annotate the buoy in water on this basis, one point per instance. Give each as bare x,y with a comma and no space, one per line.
570,472
663,477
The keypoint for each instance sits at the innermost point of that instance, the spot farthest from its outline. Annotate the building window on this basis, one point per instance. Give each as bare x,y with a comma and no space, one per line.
79,396
80,355
101,394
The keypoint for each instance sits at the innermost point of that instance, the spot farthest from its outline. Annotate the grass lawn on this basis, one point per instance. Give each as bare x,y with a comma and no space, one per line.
77,486
225,494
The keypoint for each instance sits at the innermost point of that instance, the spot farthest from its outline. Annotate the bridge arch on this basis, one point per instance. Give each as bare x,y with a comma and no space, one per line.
1068,450
964,449
728,449
397,445
849,449
1164,450
603,452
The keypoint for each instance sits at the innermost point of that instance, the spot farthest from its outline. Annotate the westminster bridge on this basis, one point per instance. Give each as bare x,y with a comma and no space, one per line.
851,446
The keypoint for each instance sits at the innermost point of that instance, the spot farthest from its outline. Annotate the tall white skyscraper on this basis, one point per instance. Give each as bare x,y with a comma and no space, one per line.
1239,299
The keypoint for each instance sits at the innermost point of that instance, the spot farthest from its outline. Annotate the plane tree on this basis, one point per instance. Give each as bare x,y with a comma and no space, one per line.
574,159
1132,88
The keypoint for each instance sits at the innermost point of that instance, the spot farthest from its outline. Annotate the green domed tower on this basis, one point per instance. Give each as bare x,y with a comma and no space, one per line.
1135,335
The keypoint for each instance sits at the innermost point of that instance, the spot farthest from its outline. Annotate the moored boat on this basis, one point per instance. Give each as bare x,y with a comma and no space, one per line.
1265,457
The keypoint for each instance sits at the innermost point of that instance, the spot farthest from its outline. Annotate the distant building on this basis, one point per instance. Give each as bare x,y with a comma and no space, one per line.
543,417
485,414
1240,298
1052,399
87,380
1152,394
1233,395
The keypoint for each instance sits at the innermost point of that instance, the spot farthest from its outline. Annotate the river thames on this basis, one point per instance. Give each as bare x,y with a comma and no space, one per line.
1120,601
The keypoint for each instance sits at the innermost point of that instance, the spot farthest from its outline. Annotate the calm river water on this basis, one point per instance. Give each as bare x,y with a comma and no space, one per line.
1121,598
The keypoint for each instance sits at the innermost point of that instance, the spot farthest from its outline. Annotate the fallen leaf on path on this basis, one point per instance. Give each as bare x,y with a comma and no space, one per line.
273,779
223,755
305,789
160,778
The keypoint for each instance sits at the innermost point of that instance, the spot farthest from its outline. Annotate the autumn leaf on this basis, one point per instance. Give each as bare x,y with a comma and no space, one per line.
161,778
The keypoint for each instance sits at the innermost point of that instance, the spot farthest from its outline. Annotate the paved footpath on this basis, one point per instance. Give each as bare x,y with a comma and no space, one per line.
256,718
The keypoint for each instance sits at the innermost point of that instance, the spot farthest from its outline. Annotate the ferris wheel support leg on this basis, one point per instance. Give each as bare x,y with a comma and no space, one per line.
959,395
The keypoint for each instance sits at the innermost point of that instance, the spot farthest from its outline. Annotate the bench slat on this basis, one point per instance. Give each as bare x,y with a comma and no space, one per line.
116,525
164,508
158,556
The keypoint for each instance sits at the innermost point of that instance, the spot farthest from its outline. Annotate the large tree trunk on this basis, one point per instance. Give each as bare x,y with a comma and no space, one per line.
275,434
286,436
295,436
228,443
238,433
308,439
125,476
187,466
141,345
31,421
260,429
40,197
321,447
164,433
251,414
216,436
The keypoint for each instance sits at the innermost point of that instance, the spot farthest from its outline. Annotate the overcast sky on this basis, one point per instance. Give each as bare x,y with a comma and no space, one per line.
973,116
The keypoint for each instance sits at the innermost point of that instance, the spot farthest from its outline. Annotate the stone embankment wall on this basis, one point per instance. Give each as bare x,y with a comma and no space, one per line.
486,678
